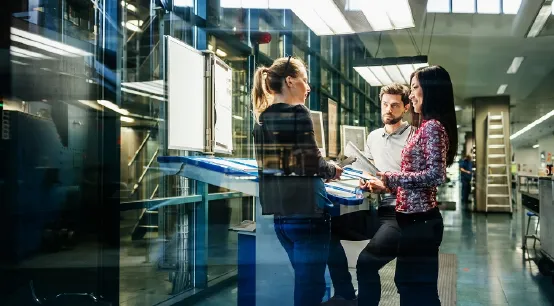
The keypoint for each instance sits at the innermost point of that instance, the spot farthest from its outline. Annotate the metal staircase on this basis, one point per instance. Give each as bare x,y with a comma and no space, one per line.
498,189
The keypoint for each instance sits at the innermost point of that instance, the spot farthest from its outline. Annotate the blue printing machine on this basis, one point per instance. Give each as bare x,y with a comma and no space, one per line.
242,175
264,273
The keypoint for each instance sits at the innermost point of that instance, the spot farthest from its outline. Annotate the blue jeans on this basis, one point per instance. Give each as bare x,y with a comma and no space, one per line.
306,241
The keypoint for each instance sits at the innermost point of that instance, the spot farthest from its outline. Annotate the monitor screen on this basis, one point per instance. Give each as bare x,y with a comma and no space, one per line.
317,118
354,134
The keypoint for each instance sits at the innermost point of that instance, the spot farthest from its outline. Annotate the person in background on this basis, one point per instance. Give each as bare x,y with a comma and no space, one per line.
424,161
383,146
466,173
291,171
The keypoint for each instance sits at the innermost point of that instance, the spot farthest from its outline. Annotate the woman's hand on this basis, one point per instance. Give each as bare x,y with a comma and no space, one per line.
338,172
377,186
373,184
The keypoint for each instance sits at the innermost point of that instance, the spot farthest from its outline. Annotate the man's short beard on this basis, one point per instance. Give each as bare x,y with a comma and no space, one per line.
393,120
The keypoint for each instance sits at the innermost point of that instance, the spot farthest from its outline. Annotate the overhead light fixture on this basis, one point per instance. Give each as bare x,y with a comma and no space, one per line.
133,8
46,44
383,15
502,89
540,20
511,7
135,92
113,107
16,51
19,63
438,6
126,119
154,87
514,67
220,53
91,104
256,4
133,25
532,124
535,146
457,108
183,3
384,71
323,17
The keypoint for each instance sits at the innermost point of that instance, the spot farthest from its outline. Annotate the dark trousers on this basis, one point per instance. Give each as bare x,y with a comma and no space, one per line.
381,227
466,188
417,266
306,242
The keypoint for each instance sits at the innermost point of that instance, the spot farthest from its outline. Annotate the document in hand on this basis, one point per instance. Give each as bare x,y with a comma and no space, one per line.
362,162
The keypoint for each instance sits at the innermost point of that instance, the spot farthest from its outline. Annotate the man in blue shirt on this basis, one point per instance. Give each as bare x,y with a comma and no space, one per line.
466,171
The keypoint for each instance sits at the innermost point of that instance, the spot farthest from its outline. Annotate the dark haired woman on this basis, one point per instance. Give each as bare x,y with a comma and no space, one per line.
424,161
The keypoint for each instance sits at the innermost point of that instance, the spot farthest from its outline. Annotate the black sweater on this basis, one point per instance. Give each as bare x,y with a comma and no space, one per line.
285,141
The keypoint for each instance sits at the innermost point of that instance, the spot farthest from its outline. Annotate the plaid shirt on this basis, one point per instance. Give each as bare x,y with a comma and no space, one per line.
423,168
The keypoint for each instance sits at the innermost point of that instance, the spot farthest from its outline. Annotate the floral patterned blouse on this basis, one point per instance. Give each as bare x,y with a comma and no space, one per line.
423,169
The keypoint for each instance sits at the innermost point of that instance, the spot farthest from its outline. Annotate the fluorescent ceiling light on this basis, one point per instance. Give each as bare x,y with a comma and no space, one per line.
19,63
540,20
331,14
384,71
113,107
133,8
305,12
91,104
183,3
488,7
133,25
126,119
457,108
532,124
255,4
154,87
231,3
400,14
220,53
16,51
515,65
535,146
395,74
44,43
142,94
463,6
502,89
438,6
376,14
39,45
407,71
511,6
238,117
368,76
381,74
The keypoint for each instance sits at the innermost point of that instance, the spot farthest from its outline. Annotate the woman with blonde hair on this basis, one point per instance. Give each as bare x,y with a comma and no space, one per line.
291,171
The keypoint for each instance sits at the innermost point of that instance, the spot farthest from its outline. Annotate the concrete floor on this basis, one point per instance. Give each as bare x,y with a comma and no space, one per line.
492,270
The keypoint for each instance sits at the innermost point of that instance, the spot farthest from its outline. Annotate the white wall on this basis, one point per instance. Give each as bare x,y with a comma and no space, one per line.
546,145
529,159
